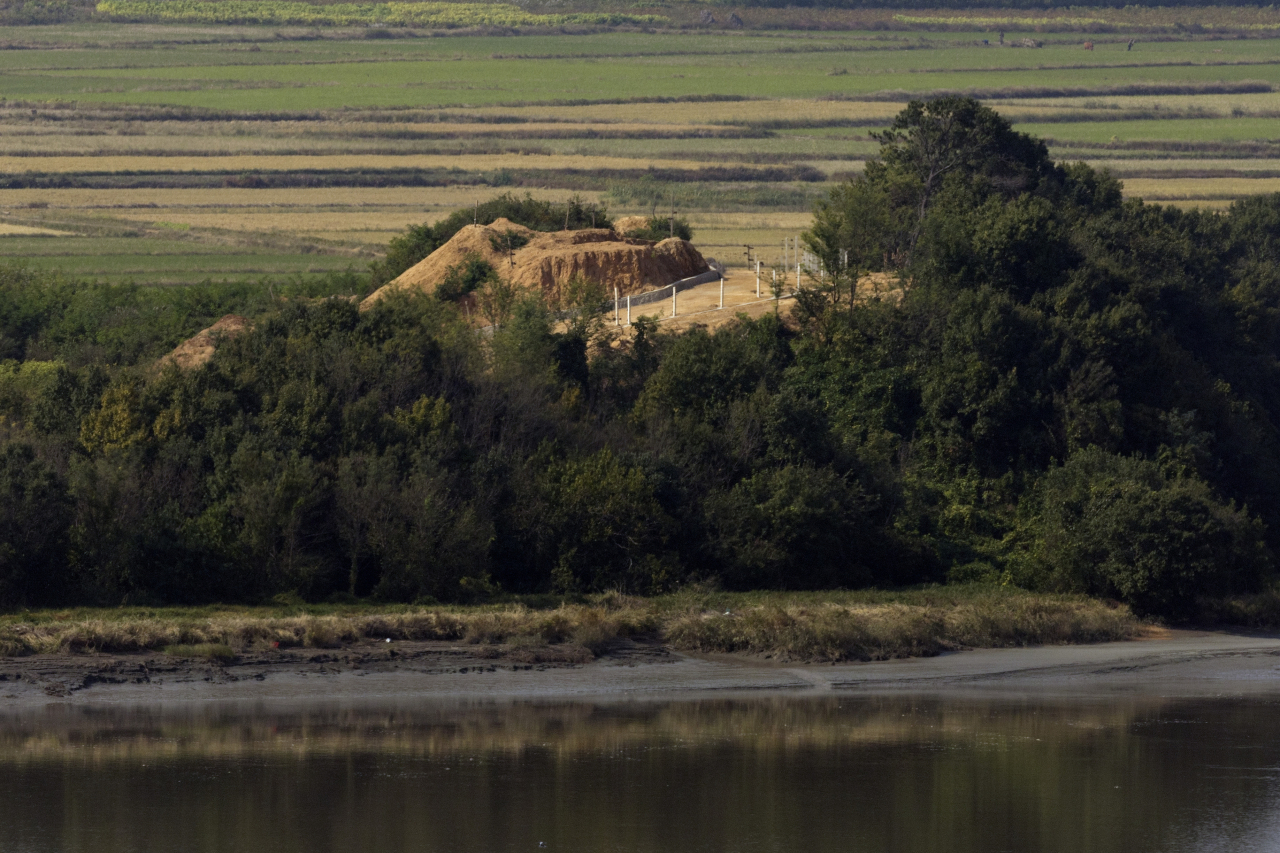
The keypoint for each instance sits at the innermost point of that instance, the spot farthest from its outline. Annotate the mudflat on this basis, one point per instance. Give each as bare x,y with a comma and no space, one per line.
1172,664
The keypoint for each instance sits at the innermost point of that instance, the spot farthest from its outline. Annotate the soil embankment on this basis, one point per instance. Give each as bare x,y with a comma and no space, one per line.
197,350
544,261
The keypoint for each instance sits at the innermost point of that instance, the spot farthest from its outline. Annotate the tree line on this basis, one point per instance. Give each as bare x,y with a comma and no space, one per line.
1063,390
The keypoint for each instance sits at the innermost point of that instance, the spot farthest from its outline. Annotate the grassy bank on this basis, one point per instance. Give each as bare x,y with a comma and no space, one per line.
831,626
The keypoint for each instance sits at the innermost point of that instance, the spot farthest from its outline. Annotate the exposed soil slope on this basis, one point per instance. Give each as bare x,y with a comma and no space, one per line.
197,350
544,261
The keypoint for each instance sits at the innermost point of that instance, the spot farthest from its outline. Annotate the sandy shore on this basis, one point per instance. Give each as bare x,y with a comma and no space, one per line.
1176,664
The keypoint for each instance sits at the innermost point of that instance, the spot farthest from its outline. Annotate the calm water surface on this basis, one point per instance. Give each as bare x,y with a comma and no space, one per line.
778,774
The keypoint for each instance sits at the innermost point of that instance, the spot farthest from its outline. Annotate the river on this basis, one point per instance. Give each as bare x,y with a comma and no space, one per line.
770,773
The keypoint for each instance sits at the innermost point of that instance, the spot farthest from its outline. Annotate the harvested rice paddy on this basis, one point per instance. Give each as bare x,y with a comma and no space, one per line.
176,153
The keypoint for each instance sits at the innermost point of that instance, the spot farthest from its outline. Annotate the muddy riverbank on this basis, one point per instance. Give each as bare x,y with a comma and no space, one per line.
1175,663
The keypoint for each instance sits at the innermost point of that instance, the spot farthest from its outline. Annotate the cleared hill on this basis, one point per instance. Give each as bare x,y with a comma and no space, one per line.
546,260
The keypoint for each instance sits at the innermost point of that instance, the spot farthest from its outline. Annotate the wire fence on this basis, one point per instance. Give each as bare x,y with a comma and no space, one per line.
649,297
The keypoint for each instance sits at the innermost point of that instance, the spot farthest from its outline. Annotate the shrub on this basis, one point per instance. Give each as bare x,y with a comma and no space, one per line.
1120,527
35,514
465,278
659,228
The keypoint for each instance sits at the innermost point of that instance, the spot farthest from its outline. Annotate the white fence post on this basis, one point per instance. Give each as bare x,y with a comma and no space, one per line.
673,301
757,278
721,291
615,306
628,309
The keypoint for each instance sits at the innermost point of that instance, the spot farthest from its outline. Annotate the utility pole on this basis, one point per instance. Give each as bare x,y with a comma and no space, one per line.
797,262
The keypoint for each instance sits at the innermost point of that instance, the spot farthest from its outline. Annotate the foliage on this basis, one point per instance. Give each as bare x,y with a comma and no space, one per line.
20,12
465,278
1121,527
45,316
35,515
659,228
1066,391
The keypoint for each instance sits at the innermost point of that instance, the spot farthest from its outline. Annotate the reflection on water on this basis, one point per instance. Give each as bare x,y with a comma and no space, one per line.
776,774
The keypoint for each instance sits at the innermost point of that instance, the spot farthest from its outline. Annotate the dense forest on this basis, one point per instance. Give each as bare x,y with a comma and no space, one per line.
1068,391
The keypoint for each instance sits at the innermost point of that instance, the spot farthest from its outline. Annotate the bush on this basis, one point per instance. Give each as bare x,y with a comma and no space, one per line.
793,528
35,514
465,278
660,228
1120,527
606,528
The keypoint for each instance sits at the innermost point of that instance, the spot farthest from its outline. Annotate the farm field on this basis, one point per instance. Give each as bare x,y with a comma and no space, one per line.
178,152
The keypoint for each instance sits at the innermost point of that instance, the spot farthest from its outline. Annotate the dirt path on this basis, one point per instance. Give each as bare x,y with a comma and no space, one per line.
702,305
1177,665
707,305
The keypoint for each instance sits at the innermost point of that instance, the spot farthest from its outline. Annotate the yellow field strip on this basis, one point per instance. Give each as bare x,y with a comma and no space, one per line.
1174,165
208,145
749,221
7,230
237,197
343,162
353,220
1197,188
1102,104
701,113
528,127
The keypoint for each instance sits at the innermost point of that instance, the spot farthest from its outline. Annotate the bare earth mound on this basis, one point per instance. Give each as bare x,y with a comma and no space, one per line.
545,261
627,224
197,350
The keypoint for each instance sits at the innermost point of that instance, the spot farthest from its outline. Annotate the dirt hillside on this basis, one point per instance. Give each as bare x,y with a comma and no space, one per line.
547,260
197,350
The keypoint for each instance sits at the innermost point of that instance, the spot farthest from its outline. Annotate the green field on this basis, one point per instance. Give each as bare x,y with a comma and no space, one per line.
121,260
723,121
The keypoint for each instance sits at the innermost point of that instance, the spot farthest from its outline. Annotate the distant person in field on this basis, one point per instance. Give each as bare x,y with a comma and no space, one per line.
1002,37
1130,47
